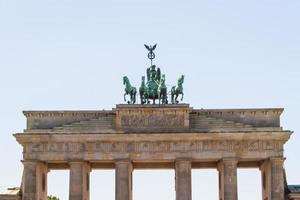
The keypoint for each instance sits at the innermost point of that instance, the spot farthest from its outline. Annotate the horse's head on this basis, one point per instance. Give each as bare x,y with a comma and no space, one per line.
181,79
125,80
163,79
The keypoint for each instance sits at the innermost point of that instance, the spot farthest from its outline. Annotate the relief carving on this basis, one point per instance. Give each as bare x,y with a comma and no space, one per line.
154,120
253,146
140,147
269,145
35,148
224,146
238,146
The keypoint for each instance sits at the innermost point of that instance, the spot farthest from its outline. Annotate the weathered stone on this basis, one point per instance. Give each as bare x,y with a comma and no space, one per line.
79,180
183,175
227,168
10,193
153,118
34,180
152,136
123,180
273,178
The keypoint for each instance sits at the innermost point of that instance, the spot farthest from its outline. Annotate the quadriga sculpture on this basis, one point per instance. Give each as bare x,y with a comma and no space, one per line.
155,88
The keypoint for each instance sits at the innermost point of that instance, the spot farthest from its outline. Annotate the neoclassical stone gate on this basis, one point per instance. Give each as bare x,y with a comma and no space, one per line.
132,137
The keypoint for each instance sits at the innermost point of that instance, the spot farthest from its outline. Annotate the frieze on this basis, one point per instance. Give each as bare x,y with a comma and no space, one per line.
141,147
54,147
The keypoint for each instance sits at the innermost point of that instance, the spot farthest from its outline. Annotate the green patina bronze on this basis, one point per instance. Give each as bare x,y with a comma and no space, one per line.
129,90
177,90
155,88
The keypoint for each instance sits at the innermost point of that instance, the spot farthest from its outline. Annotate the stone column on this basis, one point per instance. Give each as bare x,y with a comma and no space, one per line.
183,179
123,180
272,179
79,180
228,179
34,183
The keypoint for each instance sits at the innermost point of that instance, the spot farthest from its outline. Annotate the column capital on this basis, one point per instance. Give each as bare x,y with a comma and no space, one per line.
80,163
29,161
77,161
123,160
229,160
183,159
277,159
32,162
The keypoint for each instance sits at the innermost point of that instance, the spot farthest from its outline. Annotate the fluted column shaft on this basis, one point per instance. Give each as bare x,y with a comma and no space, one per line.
183,179
123,179
79,180
228,179
34,183
272,179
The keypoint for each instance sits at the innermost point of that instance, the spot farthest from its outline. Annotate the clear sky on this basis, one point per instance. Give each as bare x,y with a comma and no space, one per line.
71,55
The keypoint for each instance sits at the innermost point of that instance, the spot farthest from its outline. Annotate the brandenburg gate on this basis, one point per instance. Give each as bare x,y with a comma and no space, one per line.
153,135
170,136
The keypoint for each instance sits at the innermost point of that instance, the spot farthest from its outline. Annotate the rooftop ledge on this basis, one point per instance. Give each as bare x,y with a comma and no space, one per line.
29,113
158,116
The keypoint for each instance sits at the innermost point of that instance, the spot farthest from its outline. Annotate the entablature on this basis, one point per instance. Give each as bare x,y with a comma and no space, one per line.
152,147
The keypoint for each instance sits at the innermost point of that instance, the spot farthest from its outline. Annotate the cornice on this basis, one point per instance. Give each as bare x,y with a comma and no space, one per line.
255,136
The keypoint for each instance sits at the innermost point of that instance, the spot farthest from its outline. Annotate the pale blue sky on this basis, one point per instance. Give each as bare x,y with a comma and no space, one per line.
72,55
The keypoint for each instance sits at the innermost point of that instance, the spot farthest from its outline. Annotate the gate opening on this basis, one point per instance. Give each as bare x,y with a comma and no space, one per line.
205,184
153,184
249,183
102,184
58,184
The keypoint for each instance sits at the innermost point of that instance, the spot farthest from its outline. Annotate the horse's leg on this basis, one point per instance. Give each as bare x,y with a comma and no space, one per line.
143,99
125,96
182,96
159,96
131,98
130,102
165,97
148,97
134,97
176,98
153,98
